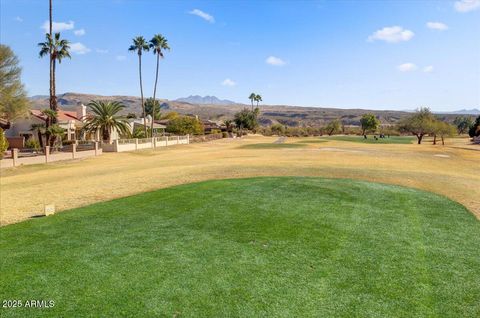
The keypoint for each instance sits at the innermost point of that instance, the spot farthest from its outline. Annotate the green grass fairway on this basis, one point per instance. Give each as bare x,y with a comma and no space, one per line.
311,141
271,146
261,247
371,140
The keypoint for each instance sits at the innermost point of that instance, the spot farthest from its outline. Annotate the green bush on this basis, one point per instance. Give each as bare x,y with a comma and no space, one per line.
185,125
33,144
3,143
224,134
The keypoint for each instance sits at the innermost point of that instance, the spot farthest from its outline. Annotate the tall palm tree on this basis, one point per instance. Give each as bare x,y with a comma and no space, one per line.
139,46
105,119
252,98
57,49
258,98
157,44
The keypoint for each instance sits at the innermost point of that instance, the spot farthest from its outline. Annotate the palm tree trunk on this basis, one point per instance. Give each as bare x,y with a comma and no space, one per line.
50,16
51,57
154,93
252,104
54,91
141,93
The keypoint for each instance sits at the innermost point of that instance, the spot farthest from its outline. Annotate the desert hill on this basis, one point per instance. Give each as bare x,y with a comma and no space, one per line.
286,115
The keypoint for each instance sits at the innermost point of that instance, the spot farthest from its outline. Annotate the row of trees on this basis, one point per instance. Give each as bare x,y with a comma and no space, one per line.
158,44
466,124
423,123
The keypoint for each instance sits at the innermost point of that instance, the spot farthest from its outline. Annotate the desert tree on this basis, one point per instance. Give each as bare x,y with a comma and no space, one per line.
463,124
139,46
105,118
158,44
442,129
333,127
152,107
246,119
184,125
369,123
13,98
474,131
418,124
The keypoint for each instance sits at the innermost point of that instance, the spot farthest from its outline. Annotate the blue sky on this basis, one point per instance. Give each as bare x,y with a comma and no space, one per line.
345,54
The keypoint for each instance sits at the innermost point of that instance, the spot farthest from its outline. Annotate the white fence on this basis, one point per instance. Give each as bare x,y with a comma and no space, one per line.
121,145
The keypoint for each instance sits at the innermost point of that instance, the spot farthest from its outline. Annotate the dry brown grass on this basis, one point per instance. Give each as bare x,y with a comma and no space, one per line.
25,190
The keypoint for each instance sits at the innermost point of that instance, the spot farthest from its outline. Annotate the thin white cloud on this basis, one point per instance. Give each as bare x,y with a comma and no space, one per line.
18,19
101,51
392,34
79,48
120,57
58,26
407,67
228,82
437,26
276,61
467,5
79,32
428,69
203,15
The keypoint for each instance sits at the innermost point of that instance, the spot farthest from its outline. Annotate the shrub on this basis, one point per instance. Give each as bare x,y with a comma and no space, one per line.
3,143
474,131
64,142
224,134
34,144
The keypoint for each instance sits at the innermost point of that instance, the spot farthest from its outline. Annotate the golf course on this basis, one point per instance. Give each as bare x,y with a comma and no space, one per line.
273,246
290,242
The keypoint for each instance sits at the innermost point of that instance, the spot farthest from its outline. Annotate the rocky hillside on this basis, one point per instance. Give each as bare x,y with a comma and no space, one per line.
286,115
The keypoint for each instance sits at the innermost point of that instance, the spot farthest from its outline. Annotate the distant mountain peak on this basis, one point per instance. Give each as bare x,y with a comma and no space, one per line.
473,111
212,100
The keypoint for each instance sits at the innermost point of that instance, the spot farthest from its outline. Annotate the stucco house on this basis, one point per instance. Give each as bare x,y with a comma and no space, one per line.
71,121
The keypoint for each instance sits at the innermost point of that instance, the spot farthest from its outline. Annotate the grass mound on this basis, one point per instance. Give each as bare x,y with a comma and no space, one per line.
278,247
271,146
371,140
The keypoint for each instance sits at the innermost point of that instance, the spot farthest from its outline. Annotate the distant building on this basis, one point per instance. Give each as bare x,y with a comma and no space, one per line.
71,121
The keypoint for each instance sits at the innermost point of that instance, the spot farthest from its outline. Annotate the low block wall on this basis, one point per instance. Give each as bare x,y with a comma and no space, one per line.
16,161
138,144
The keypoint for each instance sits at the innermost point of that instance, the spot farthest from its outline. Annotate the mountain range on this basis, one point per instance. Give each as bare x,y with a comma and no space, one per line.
269,114
205,100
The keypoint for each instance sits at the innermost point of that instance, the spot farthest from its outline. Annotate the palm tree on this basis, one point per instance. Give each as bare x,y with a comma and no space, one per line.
139,45
157,44
252,98
105,119
57,49
50,119
50,16
258,99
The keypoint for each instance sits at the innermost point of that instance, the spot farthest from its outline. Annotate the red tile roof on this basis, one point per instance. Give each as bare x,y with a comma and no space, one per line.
62,115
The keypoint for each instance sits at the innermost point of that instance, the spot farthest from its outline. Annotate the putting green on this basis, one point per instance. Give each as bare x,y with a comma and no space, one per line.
277,247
